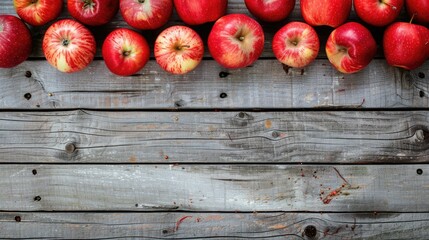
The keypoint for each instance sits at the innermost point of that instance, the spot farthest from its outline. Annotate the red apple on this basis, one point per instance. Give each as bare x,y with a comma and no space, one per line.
125,52
146,14
68,46
406,45
419,9
350,47
378,12
236,41
38,12
15,41
178,49
331,13
202,11
93,12
271,10
296,44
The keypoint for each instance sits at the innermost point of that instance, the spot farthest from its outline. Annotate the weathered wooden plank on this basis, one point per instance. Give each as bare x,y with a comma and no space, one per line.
234,6
215,137
398,188
201,137
17,225
35,84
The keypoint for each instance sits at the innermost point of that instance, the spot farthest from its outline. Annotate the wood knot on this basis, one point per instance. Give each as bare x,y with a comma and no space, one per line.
70,147
310,231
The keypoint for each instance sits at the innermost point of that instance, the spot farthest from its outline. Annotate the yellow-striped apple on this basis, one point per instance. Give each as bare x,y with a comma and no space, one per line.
331,13
406,45
296,44
236,41
270,10
15,41
146,14
125,52
378,12
38,12
69,46
178,49
93,12
202,11
350,47
419,9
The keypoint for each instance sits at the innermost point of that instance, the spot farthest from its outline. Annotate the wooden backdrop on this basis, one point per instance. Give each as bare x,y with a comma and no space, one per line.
260,152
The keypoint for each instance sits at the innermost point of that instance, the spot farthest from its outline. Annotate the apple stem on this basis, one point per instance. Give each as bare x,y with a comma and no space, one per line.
33,1
141,1
241,38
182,46
390,5
126,53
412,17
65,42
88,4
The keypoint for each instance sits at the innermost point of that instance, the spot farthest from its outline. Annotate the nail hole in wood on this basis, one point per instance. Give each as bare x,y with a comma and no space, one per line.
37,198
422,94
27,96
275,134
28,74
422,75
178,103
310,231
241,115
137,205
18,218
70,147
223,74
164,231
223,95
419,171
34,172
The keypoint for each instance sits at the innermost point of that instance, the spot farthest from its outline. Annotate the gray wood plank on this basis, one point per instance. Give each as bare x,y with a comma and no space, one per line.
172,137
16,225
205,187
234,6
35,84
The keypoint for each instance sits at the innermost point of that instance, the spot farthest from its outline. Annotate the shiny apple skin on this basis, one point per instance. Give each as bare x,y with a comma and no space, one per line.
69,46
378,13
15,41
236,41
331,13
351,47
419,9
270,10
93,12
125,52
296,44
202,11
146,14
406,45
178,49
38,13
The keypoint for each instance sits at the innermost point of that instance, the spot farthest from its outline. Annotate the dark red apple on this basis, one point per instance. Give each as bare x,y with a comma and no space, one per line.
93,12
419,9
271,10
15,41
350,47
125,52
378,12
194,12
406,45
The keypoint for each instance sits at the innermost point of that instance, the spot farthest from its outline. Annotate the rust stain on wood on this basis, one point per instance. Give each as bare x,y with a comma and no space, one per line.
133,159
277,226
268,123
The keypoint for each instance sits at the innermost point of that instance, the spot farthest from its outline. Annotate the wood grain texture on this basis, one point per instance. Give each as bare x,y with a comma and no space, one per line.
234,6
264,85
350,188
213,225
201,137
